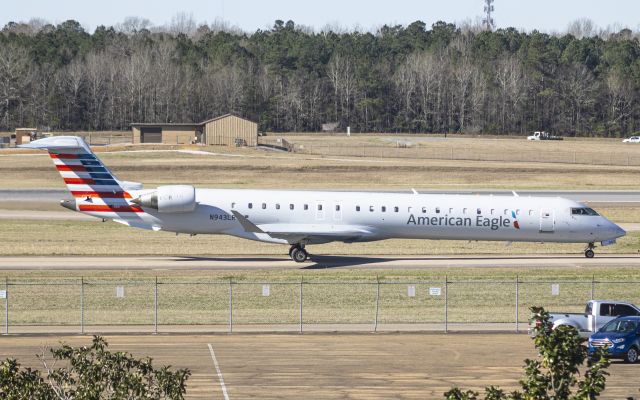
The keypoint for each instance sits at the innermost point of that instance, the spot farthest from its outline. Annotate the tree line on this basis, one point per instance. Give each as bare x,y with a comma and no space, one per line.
414,78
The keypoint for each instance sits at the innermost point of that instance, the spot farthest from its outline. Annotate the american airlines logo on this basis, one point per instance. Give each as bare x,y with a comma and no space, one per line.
515,220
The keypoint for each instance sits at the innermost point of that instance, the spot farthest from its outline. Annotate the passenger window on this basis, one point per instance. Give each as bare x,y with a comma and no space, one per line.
371,208
306,207
623,309
451,210
530,212
396,209
357,208
464,210
264,206
606,309
492,211
384,209
291,207
337,207
277,206
518,212
319,207
233,205
409,209
506,211
424,210
479,211
250,205
437,210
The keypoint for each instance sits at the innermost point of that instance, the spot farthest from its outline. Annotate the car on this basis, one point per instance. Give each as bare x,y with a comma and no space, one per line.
632,139
622,338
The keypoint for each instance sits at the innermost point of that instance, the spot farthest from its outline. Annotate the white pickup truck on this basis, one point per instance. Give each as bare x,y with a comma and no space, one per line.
596,314
543,136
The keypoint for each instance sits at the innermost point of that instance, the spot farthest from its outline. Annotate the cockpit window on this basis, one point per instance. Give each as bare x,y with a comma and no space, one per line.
583,211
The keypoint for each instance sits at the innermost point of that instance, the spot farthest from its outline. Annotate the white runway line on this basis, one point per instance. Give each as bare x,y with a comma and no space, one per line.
215,362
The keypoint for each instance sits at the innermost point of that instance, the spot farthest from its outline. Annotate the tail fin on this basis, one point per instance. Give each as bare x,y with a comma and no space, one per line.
94,187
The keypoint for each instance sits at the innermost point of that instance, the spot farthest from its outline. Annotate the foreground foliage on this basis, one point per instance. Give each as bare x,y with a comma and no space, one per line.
554,376
91,373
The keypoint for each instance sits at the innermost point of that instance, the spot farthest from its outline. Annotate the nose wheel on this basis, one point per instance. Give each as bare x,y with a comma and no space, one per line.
588,252
298,253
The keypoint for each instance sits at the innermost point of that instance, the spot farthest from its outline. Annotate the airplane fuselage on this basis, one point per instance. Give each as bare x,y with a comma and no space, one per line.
383,216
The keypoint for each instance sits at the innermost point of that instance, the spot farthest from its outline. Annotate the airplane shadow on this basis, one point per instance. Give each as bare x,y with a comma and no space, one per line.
325,262
229,259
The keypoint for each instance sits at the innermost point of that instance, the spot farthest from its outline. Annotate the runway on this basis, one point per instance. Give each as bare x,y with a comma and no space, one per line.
316,262
595,196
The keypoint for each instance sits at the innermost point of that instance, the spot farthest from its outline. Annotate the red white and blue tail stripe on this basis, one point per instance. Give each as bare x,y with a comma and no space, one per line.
95,189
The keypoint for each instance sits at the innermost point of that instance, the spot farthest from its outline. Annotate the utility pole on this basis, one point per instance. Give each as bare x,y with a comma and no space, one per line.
488,19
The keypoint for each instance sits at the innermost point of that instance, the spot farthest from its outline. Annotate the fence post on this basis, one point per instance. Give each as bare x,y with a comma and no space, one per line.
446,304
517,303
301,302
230,306
155,307
82,305
375,325
6,305
593,286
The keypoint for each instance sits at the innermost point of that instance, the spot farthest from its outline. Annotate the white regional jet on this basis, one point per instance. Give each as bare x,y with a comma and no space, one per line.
299,218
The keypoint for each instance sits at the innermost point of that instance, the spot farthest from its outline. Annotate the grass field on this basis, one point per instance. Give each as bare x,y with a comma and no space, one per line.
231,167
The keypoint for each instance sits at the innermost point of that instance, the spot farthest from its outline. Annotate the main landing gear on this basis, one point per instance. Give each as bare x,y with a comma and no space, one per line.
298,253
588,252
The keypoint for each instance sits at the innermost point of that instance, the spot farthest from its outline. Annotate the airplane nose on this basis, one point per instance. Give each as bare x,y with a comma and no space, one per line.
619,231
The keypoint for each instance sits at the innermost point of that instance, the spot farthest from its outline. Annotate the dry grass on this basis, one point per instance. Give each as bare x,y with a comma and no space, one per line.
239,168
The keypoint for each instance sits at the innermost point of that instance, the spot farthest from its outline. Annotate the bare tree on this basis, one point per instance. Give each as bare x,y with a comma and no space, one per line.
341,72
510,79
183,23
131,25
620,97
15,67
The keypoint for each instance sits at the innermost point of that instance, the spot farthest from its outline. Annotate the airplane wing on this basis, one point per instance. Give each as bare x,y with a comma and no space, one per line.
306,233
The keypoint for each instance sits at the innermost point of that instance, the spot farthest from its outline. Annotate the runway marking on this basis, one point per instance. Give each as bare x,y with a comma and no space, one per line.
215,363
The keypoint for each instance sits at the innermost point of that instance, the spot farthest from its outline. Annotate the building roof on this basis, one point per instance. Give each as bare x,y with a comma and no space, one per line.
217,118
186,124
162,124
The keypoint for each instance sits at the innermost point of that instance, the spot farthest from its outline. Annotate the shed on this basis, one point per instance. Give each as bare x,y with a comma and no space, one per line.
164,133
226,130
230,130
23,135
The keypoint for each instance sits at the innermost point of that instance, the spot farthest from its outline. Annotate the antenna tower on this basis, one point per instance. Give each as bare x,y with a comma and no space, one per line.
488,20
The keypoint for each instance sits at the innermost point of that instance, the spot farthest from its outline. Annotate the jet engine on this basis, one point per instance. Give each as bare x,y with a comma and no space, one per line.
169,199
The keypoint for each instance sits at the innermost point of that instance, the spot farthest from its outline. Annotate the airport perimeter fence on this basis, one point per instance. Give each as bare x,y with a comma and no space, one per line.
471,154
95,306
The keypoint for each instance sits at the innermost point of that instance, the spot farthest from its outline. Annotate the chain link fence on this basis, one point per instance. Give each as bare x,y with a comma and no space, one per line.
91,306
472,154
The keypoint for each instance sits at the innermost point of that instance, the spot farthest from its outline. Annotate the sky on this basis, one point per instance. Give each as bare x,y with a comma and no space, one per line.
250,15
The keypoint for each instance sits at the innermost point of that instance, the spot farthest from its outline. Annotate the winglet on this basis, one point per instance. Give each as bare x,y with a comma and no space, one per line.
246,224
414,191
515,194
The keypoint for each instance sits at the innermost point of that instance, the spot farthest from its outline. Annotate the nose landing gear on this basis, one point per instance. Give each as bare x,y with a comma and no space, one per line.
588,252
298,253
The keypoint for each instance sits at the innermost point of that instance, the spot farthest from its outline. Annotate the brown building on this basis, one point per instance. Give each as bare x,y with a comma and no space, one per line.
226,130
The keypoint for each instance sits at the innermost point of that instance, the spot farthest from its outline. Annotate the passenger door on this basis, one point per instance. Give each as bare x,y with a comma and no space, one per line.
547,220
337,211
319,211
